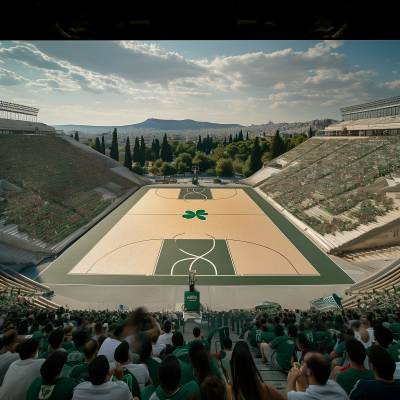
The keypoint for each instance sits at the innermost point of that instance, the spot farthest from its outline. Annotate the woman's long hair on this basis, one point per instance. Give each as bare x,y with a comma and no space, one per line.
199,359
245,383
98,328
23,328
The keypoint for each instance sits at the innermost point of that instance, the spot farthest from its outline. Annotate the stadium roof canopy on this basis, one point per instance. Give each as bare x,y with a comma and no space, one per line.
373,109
16,111
367,124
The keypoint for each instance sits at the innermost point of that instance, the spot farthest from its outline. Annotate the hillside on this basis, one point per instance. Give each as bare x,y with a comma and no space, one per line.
62,187
151,123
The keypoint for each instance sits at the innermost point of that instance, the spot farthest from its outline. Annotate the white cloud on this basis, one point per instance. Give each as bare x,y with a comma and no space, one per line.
9,78
394,72
333,43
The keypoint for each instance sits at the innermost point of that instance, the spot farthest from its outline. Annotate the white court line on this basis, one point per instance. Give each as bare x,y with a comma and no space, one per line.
155,266
230,255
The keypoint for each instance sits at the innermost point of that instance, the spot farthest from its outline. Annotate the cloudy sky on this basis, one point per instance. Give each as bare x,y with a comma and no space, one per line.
240,82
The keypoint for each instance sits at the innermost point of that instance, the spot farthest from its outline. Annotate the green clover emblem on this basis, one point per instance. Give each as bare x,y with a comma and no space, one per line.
199,214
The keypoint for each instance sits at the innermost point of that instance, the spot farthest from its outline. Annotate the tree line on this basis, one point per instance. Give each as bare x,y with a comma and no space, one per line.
218,158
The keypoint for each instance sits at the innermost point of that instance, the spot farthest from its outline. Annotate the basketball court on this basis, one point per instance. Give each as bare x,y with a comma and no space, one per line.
229,235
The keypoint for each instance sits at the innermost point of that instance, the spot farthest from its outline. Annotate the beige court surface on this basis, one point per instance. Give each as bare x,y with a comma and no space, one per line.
133,245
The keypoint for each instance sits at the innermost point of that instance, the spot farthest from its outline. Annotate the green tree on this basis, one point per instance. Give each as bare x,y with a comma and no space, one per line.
225,142
310,133
247,136
154,170
150,156
174,145
114,154
158,163
186,147
136,151
142,152
137,169
166,151
230,139
72,135
236,138
183,168
103,145
246,171
97,145
128,157
277,146
224,167
157,149
240,136
256,154
76,136
167,169
185,158
198,146
203,161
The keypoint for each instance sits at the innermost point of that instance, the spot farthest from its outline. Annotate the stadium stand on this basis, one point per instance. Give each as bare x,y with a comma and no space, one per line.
23,127
28,290
264,347
340,191
58,184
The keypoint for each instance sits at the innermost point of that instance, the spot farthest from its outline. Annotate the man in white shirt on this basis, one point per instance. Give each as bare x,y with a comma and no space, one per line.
166,338
21,373
157,347
139,371
110,344
313,376
7,353
365,333
101,387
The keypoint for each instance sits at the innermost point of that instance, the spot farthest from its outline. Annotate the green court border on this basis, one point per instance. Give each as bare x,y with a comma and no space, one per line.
57,272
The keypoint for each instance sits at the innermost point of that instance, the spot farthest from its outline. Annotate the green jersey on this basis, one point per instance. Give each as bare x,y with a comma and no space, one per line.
268,337
67,345
204,341
181,394
347,379
44,346
395,328
182,353
46,353
303,319
284,346
57,389
255,336
271,328
75,356
80,372
310,335
394,351
340,349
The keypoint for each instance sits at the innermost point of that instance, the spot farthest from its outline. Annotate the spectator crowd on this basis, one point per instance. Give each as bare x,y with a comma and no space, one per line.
64,355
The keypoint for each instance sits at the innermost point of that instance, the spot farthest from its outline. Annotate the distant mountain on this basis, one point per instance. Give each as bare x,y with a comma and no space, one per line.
151,123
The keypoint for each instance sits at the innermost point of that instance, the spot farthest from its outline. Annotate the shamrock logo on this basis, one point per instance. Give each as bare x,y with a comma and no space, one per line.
199,214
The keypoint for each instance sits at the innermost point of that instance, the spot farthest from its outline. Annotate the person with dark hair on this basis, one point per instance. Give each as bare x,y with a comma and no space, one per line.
110,344
22,372
254,336
383,336
23,328
313,380
279,352
51,385
139,371
166,338
385,386
8,352
157,348
90,350
152,363
48,329
245,383
169,374
226,354
201,365
337,357
181,352
355,353
75,356
267,336
101,386
302,344
212,388
197,337
55,343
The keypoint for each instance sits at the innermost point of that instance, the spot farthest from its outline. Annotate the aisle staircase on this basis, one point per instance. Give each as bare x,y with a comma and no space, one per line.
270,376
